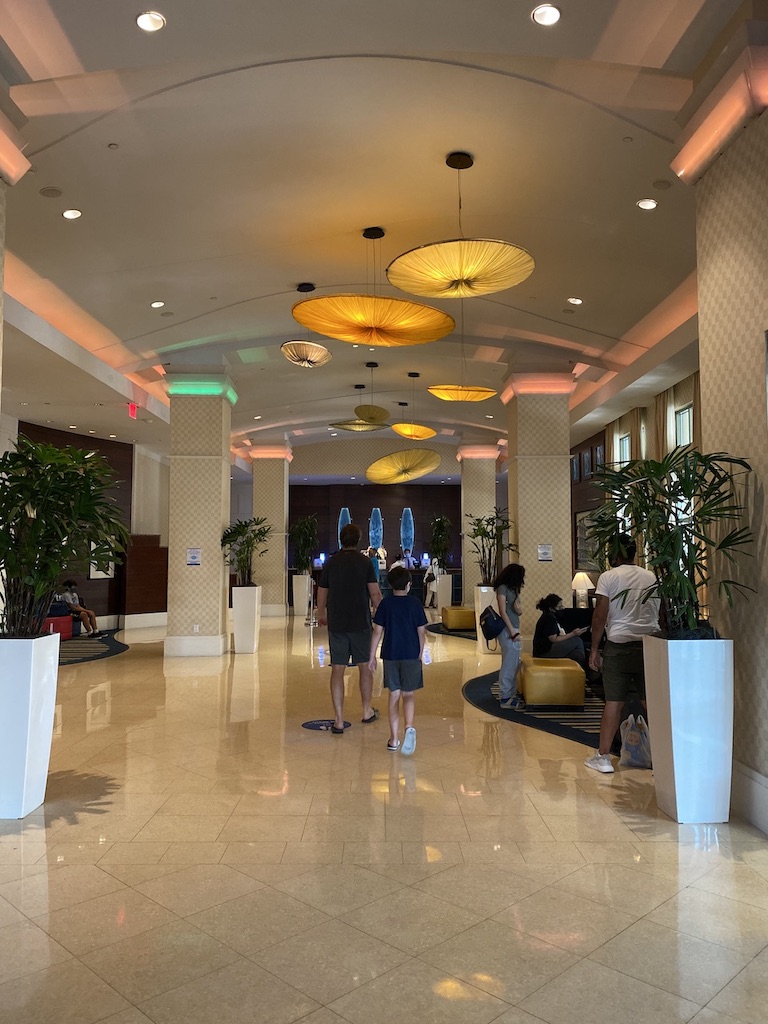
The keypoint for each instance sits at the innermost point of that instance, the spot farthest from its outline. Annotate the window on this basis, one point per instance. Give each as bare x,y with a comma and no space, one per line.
684,425
624,451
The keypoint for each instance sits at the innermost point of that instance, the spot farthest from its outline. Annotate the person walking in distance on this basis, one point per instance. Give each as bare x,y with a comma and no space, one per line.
401,619
346,590
625,614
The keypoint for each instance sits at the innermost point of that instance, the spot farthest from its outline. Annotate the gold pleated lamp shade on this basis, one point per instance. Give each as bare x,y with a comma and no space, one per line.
461,392
400,467
371,413
358,426
460,268
305,353
413,431
373,320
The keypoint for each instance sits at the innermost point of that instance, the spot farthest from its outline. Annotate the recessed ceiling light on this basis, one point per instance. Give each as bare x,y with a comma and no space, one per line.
50,192
150,21
355,346
157,304
334,435
91,431
647,204
546,15
575,300
72,214
113,435
23,403
489,416
72,426
49,421
257,417
353,478
166,312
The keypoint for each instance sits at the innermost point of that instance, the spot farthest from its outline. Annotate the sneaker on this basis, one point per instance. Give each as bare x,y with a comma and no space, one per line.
409,742
516,703
600,763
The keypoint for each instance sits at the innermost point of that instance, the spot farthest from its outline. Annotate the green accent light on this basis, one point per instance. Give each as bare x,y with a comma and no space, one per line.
203,387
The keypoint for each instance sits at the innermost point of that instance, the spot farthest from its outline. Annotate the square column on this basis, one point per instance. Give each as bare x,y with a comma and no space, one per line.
478,498
270,500
201,415
538,423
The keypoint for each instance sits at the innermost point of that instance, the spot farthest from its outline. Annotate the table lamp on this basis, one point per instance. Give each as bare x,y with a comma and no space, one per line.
582,584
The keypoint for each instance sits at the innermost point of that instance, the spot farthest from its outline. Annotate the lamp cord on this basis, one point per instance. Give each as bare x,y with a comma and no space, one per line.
458,190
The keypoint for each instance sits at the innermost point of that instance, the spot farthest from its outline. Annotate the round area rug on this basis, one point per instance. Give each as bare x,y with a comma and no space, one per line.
82,648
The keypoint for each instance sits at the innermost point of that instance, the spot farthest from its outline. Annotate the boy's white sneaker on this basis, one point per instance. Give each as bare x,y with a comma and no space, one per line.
600,763
409,742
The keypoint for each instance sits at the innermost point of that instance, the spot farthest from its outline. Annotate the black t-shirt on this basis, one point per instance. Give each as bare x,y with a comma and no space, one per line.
546,627
401,617
346,576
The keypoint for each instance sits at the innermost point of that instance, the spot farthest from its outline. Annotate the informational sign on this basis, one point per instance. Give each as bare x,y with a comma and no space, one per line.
194,556
544,552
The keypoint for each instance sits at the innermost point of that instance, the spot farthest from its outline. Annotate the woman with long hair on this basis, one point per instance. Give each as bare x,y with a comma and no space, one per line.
508,585
550,639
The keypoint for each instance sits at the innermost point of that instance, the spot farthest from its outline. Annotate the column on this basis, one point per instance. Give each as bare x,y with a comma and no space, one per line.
478,498
732,253
270,500
539,484
201,414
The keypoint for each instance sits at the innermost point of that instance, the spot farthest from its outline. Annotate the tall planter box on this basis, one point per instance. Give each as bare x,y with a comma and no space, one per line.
689,685
246,619
302,592
27,703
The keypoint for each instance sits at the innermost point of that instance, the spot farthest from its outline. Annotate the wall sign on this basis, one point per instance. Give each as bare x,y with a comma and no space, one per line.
544,552
194,556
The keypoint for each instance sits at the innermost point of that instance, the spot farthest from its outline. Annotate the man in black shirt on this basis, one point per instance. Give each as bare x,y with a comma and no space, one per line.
345,592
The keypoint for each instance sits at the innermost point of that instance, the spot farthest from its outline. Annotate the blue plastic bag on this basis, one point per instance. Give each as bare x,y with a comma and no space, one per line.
635,743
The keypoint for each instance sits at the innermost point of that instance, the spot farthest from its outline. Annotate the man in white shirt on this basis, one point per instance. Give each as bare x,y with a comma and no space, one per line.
625,613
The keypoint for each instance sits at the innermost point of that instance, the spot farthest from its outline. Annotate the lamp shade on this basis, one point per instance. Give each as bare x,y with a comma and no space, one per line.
460,267
413,431
371,413
305,353
399,467
581,581
358,426
373,319
461,392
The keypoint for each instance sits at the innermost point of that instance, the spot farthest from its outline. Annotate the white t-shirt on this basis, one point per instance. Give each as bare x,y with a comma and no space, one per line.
629,618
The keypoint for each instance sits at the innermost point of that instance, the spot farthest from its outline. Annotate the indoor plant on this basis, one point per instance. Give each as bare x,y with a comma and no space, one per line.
488,544
688,518
242,542
303,536
439,548
55,512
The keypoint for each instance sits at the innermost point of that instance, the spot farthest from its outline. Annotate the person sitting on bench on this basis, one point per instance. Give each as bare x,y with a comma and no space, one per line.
78,609
550,639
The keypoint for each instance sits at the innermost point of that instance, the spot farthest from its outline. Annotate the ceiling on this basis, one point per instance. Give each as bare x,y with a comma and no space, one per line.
244,148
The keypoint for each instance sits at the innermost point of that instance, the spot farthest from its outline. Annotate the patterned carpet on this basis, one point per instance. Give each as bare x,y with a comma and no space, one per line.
83,648
462,634
572,724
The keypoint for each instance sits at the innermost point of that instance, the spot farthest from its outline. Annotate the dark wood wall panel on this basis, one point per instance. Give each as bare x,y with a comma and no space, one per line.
425,500
146,575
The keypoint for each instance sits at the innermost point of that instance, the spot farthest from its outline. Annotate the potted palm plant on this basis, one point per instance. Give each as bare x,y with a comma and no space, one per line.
689,520
486,534
55,512
303,536
439,548
242,543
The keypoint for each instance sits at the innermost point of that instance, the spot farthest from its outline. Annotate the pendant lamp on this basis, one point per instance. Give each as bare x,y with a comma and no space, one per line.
460,267
373,319
371,413
305,353
400,467
461,392
413,431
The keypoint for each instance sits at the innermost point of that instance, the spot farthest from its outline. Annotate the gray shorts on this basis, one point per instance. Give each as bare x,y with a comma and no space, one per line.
350,648
403,675
623,671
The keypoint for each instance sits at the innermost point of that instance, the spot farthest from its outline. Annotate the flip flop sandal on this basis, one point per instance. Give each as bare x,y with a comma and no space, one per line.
374,716
393,746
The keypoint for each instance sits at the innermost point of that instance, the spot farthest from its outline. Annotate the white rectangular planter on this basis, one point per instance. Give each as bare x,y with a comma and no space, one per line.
27,703
444,591
246,619
689,684
302,591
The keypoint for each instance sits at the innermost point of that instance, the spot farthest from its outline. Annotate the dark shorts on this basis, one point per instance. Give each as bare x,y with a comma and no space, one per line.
623,671
350,648
403,675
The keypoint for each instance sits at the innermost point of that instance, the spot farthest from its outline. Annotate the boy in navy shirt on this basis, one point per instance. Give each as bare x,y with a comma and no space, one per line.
401,619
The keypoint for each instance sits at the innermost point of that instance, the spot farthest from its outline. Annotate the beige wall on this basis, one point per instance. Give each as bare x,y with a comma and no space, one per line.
149,498
270,500
478,497
732,213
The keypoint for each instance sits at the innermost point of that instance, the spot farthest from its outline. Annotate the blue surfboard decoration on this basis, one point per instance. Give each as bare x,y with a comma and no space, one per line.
375,529
406,530
344,518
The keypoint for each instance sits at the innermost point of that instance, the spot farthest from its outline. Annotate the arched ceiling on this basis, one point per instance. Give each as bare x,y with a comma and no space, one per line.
244,148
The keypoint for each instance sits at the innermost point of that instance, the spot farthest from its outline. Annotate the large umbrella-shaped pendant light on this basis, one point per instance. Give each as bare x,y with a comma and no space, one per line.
460,267
305,353
461,392
413,431
399,467
371,412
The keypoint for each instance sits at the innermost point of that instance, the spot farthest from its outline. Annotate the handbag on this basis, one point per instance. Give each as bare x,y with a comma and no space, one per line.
491,623
429,576
635,743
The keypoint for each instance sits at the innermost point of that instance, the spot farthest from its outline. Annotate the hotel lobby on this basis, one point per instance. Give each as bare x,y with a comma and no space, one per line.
223,233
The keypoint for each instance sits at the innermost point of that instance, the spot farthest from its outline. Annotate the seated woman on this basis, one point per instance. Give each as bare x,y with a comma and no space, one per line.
550,639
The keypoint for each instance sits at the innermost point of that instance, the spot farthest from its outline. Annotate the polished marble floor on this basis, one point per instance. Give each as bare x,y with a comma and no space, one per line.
202,859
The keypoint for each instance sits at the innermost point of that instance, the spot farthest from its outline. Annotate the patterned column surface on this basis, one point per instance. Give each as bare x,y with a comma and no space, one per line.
732,250
540,495
478,498
270,500
198,515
